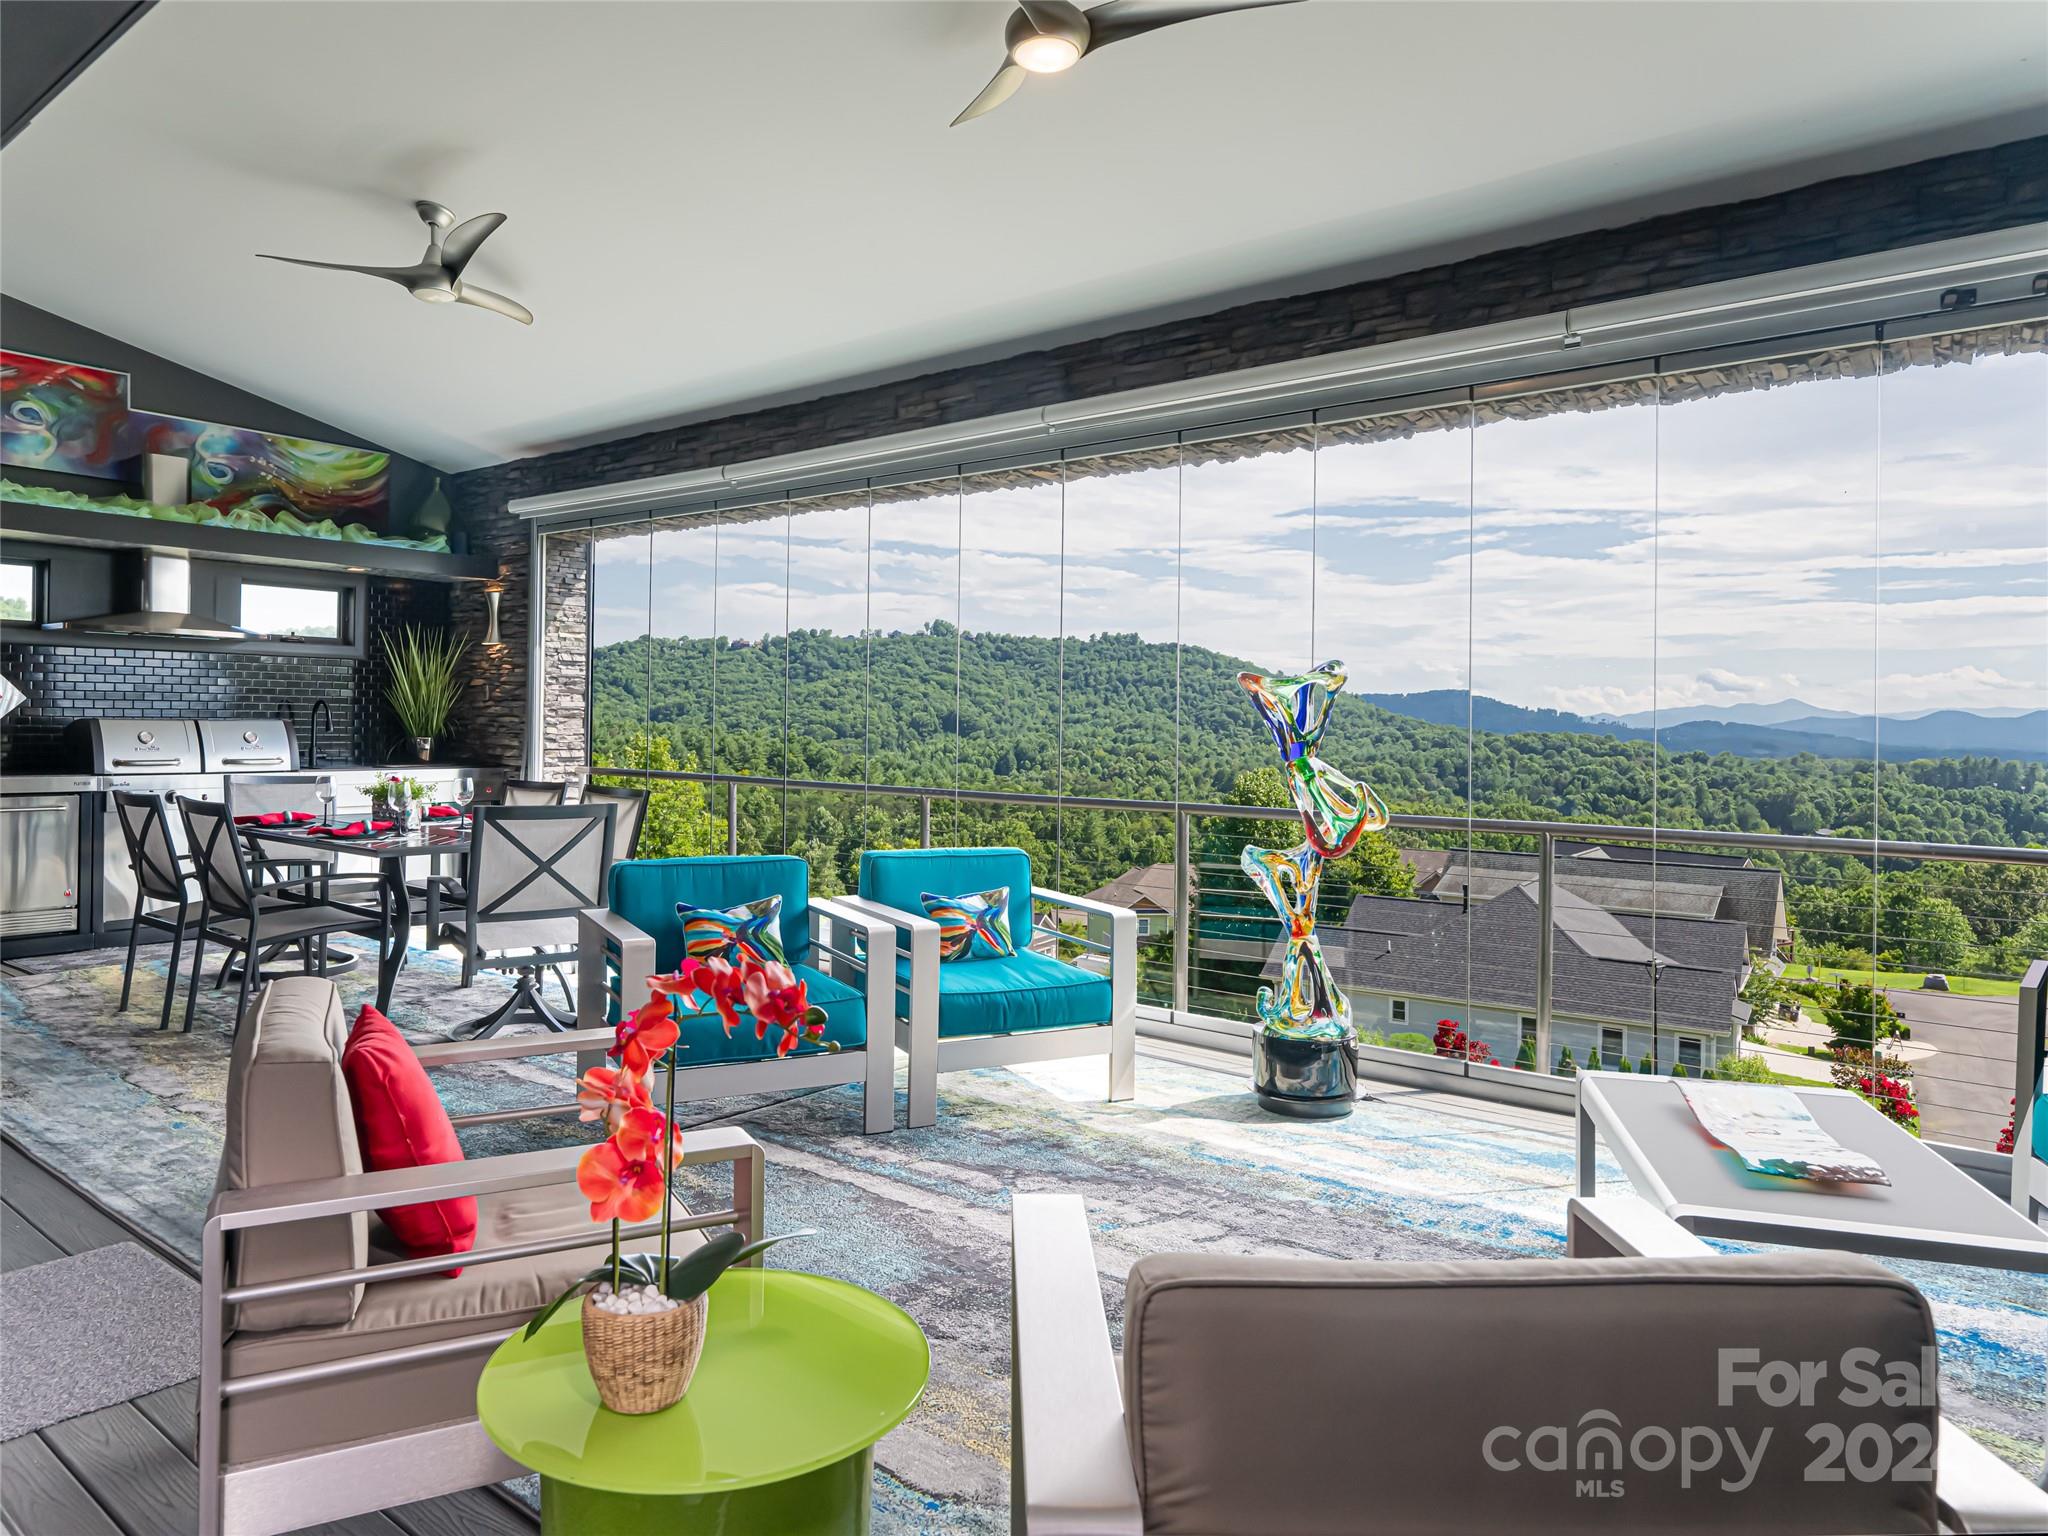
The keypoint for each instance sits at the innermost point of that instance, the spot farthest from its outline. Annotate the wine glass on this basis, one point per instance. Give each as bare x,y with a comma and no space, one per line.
465,792
327,798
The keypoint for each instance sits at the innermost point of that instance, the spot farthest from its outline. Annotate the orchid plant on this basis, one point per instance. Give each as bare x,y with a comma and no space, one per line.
630,1175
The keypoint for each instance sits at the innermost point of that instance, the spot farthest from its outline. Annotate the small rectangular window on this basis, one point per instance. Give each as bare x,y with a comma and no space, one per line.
1688,1051
1529,1028
1144,927
20,592
1398,1008
1613,1044
292,613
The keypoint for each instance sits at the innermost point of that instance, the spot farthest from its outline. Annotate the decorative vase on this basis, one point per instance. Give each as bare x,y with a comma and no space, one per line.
424,746
643,1362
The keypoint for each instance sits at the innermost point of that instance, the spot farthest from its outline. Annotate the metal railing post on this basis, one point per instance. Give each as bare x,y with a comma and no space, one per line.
732,818
2030,1044
1546,931
1183,911
924,821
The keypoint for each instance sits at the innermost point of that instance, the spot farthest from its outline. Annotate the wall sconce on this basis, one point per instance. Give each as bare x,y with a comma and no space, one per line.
492,595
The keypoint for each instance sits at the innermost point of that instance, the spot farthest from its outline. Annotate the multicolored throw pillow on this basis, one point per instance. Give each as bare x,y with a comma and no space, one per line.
752,930
973,927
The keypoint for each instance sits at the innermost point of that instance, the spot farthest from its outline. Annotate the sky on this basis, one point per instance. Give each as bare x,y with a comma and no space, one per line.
1875,543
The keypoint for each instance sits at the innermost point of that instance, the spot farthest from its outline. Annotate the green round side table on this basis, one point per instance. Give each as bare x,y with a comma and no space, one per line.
801,1376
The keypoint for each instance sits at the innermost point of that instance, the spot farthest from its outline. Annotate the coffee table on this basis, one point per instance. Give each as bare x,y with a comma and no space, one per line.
801,1376
1931,1209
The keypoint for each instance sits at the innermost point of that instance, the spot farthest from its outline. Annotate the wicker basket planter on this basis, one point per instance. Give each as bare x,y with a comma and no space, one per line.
643,1363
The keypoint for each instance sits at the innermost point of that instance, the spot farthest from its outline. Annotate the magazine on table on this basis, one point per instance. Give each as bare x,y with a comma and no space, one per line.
1773,1132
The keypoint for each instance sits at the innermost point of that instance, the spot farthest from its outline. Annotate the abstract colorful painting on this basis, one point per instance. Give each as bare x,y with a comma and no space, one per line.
64,417
235,469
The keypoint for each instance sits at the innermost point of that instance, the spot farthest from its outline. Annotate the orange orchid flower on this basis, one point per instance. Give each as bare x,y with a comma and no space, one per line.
643,1035
607,1093
624,1175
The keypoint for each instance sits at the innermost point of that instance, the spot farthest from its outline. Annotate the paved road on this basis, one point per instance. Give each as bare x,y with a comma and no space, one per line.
1965,1087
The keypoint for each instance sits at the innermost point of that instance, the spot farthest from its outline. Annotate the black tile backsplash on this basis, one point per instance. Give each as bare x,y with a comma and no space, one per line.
68,682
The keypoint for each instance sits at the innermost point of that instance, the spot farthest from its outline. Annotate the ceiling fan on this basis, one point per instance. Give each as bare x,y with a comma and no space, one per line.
1044,37
437,277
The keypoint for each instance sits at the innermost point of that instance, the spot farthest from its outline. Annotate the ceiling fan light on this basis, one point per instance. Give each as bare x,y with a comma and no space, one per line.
433,295
1046,55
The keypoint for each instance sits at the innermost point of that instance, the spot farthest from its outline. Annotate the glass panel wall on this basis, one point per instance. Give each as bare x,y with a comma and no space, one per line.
1806,595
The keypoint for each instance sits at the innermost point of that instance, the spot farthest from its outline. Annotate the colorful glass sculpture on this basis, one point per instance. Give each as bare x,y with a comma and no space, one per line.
1336,810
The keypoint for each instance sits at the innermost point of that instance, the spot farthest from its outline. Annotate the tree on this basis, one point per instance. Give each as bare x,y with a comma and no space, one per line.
1566,1067
1593,1060
1925,932
1678,1069
1646,1067
1858,1013
1525,1058
678,822
1623,1066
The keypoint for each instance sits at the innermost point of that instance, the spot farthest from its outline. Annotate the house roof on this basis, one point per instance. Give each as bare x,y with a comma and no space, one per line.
1618,879
1602,961
1147,889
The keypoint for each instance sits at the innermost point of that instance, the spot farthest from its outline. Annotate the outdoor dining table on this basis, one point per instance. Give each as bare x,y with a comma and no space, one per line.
392,851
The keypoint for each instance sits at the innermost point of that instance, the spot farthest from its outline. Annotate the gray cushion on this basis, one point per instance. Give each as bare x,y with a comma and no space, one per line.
288,1118
1313,1397
483,1299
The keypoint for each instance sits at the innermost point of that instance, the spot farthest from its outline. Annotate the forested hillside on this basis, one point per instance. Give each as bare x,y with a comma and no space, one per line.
941,707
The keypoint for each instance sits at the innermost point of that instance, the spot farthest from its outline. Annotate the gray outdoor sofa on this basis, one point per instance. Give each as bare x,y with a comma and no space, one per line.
337,1376
1296,1396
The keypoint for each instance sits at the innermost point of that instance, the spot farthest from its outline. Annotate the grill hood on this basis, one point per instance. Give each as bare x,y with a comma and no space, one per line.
160,589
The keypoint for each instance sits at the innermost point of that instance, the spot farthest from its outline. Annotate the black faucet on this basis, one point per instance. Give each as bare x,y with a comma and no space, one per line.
318,714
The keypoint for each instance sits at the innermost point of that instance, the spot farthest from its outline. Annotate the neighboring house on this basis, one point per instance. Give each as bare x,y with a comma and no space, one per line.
1147,892
1623,879
1407,964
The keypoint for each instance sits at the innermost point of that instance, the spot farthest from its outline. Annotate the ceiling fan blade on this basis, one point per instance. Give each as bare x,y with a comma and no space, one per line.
1115,20
995,93
403,275
496,303
1054,16
460,243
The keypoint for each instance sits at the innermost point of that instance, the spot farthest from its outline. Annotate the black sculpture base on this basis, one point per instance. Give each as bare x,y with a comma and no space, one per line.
1309,1078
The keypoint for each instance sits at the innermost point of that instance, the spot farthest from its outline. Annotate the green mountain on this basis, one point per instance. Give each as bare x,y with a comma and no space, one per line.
943,708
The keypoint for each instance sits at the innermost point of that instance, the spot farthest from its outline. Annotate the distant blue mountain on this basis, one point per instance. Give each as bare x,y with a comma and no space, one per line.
1824,733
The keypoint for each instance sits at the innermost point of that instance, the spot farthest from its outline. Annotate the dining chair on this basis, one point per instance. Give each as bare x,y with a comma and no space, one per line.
532,870
533,792
160,876
246,920
631,818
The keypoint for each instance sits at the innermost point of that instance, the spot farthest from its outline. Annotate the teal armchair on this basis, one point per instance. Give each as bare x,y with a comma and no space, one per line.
1000,1011
845,955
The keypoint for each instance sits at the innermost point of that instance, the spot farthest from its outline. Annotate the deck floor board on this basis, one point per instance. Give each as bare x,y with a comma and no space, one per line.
129,1469
40,1497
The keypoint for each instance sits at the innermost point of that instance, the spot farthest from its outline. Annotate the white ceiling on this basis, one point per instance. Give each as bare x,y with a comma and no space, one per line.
721,203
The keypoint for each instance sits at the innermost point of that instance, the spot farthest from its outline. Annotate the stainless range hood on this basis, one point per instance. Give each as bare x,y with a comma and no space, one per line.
160,588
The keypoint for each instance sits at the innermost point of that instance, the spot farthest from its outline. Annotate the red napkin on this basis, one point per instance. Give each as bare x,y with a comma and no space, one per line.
355,829
444,813
275,819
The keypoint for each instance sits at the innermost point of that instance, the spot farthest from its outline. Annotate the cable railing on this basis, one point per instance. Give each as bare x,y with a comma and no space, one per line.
1616,959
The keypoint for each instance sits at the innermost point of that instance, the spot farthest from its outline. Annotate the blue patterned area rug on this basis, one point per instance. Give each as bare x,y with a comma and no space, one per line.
922,1216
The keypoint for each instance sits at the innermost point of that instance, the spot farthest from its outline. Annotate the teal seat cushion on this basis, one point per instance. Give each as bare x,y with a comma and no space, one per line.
1019,992
645,892
2040,1136
899,878
846,1026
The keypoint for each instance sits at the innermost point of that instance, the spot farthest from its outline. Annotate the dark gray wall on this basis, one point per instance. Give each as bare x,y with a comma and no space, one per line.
1954,195
158,384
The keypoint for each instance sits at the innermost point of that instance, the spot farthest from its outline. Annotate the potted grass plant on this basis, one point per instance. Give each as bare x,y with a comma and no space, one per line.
423,686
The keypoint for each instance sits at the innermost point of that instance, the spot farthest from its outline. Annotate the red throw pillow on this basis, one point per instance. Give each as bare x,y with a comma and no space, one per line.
401,1124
